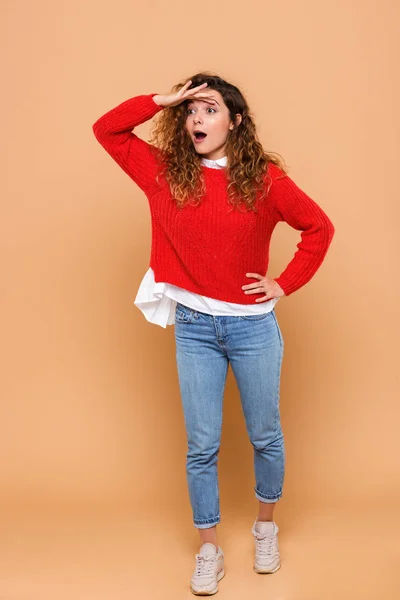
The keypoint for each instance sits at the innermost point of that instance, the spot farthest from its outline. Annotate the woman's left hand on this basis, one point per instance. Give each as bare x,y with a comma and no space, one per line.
270,287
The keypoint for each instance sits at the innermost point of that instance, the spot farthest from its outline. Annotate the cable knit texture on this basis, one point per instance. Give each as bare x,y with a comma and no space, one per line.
208,249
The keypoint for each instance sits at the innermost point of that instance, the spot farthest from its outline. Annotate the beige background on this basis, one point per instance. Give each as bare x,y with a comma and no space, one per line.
92,438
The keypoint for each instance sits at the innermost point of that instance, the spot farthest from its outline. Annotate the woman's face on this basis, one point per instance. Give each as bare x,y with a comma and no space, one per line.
211,117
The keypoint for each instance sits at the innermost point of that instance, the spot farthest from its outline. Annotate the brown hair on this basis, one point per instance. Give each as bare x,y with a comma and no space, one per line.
181,164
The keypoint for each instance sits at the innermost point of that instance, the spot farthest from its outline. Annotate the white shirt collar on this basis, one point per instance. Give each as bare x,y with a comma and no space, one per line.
219,163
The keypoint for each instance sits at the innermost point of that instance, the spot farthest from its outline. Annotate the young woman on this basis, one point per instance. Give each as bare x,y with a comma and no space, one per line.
215,197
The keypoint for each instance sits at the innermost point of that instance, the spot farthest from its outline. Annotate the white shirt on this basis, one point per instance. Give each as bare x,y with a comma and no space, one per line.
157,301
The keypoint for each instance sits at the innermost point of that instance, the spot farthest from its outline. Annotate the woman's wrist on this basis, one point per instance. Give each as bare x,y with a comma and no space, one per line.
158,99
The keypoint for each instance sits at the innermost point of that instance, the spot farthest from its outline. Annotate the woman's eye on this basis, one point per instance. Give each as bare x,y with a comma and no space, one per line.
190,109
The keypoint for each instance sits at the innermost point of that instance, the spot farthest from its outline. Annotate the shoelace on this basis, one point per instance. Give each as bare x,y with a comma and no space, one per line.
205,565
265,545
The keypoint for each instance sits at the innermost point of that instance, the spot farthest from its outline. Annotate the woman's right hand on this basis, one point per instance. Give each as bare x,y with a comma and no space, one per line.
184,94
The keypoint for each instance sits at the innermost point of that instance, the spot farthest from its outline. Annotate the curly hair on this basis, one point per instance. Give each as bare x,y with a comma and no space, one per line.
247,164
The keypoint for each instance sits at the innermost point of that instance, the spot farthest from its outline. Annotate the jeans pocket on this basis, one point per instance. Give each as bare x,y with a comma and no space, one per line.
183,314
259,317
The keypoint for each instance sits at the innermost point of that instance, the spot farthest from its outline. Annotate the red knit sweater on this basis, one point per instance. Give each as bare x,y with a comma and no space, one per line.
208,249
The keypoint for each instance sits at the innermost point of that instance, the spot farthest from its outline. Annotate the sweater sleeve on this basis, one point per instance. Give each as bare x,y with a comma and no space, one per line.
297,209
114,132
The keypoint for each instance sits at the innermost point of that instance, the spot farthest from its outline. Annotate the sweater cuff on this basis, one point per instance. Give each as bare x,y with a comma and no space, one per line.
286,286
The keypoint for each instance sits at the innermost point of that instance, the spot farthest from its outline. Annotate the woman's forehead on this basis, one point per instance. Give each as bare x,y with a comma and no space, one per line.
214,94
204,102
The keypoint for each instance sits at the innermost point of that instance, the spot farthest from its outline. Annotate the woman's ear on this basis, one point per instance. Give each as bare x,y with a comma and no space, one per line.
237,122
238,119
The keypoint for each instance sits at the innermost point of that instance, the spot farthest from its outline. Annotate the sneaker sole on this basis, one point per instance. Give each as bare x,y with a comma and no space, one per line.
220,575
261,572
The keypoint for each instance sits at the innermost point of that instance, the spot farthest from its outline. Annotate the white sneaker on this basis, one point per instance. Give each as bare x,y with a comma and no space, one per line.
209,570
267,559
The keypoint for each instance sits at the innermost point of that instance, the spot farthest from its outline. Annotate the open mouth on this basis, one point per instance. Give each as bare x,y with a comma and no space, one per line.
199,136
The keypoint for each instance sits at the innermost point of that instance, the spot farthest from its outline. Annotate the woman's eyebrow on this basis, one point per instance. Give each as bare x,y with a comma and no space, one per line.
206,101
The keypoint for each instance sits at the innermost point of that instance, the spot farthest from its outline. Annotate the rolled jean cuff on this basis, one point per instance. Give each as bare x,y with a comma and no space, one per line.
267,499
206,523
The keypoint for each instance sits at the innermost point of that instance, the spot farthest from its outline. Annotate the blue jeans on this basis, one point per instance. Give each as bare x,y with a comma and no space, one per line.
205,345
